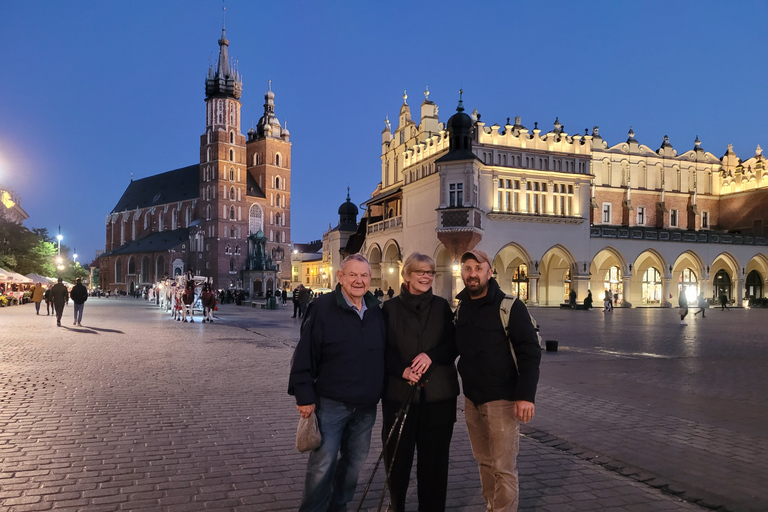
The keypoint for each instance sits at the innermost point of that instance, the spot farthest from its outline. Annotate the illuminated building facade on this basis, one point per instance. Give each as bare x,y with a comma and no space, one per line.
560,212
10,206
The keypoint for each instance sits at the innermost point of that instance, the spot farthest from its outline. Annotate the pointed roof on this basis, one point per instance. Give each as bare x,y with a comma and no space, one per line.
225,82
168,187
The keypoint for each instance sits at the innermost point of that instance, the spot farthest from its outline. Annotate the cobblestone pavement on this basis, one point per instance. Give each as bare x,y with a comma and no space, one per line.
134,411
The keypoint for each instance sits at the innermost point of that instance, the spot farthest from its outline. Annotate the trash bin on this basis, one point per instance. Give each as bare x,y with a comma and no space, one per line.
271,303
551,345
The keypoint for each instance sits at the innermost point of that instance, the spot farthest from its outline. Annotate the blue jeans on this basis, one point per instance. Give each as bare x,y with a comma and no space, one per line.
331,481
79,312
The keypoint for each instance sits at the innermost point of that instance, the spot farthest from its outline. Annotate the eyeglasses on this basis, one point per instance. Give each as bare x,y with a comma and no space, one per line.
421,273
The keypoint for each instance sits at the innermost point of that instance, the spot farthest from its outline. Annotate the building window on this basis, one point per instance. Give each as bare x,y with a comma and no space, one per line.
673,218
606,213
456,194
231,174
278,159
652,286
231,137
231,155
641,215
231,213
563,199
536,194
705,220
255,219
277,182
509,195
232,193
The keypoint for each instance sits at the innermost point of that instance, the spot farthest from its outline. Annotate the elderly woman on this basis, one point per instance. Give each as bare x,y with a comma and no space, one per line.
420,352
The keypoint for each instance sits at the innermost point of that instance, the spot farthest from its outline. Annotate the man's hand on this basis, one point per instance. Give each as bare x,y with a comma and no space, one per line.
524,411
305,410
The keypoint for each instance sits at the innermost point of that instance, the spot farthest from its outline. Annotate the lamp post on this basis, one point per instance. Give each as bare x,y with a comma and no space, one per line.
59,265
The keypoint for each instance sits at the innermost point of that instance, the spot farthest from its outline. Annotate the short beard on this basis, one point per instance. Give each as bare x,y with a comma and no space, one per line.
479,291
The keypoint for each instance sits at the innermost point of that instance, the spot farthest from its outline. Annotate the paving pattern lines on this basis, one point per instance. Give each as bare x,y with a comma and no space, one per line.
720,466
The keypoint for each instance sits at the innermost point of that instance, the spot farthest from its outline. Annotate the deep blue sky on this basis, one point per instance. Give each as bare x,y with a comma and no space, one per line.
92,91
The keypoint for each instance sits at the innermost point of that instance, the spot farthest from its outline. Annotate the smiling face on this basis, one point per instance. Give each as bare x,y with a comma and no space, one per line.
475,276
354,278
419,280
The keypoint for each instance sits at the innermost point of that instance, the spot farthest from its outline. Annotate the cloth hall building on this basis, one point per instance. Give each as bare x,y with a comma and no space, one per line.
560,212
226,218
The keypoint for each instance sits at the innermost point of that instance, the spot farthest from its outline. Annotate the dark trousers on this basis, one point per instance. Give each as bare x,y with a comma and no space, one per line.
59,310
296,309
428,428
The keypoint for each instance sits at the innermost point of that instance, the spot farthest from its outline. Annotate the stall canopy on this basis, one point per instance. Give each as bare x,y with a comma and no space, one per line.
13,277
37,278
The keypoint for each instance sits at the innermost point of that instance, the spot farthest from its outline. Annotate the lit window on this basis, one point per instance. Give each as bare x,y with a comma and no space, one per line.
456,194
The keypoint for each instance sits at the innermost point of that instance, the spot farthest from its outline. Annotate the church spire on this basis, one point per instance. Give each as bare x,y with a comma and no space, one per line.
224,80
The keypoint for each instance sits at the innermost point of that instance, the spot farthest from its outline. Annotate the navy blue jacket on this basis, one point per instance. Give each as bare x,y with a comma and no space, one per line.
339,356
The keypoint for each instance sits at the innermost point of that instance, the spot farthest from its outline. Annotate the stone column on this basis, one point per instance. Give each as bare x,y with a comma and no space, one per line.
626,286
738,293
580,284
665,286
533,289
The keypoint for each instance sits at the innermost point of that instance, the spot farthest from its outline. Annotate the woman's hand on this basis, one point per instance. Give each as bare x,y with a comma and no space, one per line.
421,363
411,376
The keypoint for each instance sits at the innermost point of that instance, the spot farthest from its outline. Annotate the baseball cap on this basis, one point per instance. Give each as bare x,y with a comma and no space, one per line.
477,255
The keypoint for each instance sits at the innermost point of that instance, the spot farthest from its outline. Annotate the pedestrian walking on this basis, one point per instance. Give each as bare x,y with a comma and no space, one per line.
295,296
79,295
723,302
420,351
390,293
682,301
48,296
338,373
607,301
59,297
499,372
38,294
303,300
702,303
284,296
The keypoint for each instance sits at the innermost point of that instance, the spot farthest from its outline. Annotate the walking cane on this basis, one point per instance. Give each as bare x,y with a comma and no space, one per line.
400,417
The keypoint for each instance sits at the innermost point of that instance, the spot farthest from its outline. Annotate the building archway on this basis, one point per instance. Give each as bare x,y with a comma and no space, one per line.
445,284
557,269
725,270
607,272
753,286
391,265
647,284
512,268
258,287
374,258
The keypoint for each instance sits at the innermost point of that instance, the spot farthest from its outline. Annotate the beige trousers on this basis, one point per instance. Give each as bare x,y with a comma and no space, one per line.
494,434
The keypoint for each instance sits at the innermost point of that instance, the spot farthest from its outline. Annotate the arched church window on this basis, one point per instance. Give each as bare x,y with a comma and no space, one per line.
231,213
173,219
282,236
231,155
231,174
277,182
208,212
278,159
255,219
232,193
118,271
277,200
231,137
277,219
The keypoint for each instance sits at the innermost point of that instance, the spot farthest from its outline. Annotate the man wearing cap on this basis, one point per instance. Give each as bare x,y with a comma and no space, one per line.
497,395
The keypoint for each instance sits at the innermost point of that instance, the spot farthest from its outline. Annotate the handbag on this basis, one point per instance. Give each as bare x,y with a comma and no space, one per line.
308,435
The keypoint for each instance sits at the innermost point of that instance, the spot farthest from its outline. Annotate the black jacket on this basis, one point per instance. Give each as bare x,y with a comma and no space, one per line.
339,355
79,294
59,294
416,324
486,365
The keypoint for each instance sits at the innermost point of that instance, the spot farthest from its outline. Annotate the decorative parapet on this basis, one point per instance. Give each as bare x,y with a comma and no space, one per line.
532,217
669,235
461,218
387,224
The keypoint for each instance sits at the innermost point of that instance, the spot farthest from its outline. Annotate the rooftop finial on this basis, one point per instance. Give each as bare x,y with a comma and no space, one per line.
426,94
270,85
405,97
348,193
460,108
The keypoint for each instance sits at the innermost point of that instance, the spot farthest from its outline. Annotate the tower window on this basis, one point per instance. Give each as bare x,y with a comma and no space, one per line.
231,137
232,213
277,182
232,155
277,159
232,193
231,174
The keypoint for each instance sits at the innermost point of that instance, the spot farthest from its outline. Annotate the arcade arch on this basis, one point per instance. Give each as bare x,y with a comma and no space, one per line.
558,276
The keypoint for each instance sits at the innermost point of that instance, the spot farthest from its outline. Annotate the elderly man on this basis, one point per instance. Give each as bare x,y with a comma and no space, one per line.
338,372
499,389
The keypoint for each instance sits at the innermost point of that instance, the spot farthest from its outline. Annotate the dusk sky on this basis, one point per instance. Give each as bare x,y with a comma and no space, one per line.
93,92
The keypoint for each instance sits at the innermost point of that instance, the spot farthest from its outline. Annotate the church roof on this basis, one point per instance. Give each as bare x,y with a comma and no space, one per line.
168,187
155,242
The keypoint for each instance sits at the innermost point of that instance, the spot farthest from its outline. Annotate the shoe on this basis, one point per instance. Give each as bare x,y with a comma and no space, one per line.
58,323
74,323
682,322
210,321
79,324
192,320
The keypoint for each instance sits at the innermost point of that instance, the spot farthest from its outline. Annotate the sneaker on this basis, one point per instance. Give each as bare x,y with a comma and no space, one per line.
58,323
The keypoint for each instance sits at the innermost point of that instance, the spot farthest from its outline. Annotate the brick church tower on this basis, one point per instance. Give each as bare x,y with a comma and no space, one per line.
269,162
223,176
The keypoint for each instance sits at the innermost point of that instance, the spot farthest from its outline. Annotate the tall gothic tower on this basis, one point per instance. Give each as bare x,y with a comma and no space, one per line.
223,176
269,162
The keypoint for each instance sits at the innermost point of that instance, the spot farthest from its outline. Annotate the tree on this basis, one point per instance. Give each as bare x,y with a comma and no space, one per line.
25,251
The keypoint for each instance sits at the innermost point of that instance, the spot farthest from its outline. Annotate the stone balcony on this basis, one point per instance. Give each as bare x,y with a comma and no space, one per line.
386,225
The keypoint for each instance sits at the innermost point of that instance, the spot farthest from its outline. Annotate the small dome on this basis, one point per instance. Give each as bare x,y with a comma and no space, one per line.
269,95
459,123
348,208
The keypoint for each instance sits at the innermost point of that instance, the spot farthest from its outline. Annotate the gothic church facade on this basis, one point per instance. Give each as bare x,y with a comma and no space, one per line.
226,218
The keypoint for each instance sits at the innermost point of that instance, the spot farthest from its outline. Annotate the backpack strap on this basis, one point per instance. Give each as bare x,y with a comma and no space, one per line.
504,309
